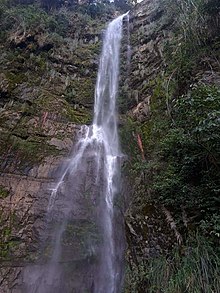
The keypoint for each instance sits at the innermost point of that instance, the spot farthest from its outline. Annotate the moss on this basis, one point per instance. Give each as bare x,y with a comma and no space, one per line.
7,243
81,91
83,230
79,116
15,79
3,192
128,137
26,148
23,154
94,48
83,236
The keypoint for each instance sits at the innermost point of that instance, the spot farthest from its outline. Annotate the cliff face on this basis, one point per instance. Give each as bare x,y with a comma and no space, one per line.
169,103
173,72
151,29
48,69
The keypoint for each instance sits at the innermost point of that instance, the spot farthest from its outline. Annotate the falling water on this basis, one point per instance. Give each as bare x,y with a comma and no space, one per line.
106,133
92,175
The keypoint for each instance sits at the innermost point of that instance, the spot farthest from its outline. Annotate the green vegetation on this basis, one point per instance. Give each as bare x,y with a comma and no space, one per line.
179,170
3,192
196,40
7,241
193,269
187,174
49,73
17,152
181,140
47,59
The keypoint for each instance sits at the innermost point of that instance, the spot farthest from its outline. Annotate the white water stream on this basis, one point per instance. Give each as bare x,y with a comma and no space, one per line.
100,139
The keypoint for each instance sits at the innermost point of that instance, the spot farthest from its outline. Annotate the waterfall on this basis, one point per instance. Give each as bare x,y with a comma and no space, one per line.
106,133
85,196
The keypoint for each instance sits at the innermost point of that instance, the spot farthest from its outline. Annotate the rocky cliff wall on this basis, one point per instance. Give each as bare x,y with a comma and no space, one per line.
42,109
46,92
175,55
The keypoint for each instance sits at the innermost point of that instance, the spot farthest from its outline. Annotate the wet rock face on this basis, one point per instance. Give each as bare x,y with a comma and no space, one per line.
30,232
23,208
73,265
70,264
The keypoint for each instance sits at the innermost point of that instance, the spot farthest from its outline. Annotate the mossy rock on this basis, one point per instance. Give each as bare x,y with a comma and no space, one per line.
81,91
3,192
23,154
14,79
78,115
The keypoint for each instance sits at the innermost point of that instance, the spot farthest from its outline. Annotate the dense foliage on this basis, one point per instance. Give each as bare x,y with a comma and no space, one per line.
189,178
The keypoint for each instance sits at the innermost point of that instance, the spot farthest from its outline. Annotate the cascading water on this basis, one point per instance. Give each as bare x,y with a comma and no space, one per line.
106,134
90,179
